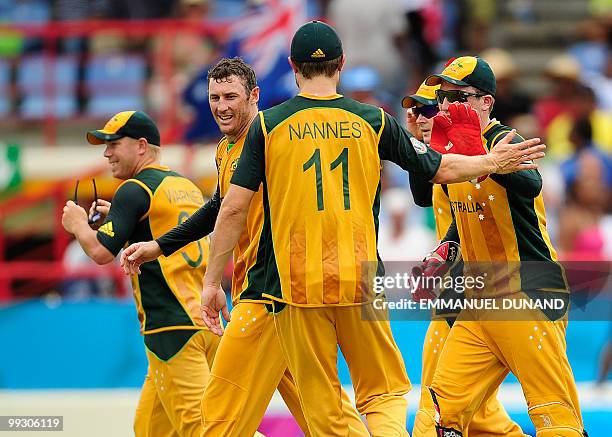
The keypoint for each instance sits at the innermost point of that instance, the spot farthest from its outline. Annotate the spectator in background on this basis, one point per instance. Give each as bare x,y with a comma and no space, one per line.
581,137
591,51
179,60
362,83
401,237
373,33
603,81
580,104
562,73
509,101
419,50
581,236
479,15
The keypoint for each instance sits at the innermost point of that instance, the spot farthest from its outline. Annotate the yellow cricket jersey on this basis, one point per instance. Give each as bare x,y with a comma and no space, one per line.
245,252
167,292
319,160
502,221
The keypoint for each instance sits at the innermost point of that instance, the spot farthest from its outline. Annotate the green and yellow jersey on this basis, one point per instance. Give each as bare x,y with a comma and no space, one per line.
320,160
502,221
167,292
245,252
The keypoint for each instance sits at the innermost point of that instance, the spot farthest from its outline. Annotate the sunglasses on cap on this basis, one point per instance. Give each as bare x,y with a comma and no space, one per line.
426,111
96,215
455,96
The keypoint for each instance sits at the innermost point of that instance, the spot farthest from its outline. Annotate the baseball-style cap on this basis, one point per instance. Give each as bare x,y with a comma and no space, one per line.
133,124
315,41
426,95
467,71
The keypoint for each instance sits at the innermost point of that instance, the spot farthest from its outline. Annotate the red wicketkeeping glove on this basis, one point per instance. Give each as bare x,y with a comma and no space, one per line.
458,131
435,264
439,133
465,133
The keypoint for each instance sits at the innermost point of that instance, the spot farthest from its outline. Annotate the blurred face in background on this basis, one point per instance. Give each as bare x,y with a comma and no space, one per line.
231,105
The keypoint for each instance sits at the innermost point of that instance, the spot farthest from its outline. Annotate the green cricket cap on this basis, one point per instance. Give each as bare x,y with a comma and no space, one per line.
133,124
315,41
467,71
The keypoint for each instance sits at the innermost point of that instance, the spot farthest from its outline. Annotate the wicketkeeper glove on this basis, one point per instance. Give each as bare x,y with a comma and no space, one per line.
460,127
436,263
458,132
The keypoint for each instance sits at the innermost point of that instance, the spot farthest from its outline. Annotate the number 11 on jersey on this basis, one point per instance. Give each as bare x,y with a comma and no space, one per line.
342,160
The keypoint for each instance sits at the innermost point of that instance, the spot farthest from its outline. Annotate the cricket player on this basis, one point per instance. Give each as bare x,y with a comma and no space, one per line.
490,419
500,220
249,364
152,200
318,156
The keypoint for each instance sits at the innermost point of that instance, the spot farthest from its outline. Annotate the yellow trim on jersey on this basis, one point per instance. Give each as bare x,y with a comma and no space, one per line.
175,328
147,189
382,124
157,167
263,125
313,97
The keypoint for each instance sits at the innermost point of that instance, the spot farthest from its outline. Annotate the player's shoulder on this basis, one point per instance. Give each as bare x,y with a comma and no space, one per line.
150,178
221,150
496,131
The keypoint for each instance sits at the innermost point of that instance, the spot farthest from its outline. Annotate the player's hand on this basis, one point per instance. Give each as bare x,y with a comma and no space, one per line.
213,301
507,157
73,216
435,264
412,125
137,254
101,207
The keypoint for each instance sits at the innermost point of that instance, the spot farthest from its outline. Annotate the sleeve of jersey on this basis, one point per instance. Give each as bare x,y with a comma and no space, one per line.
527,183
421,189
200,224
129,204
251,168
398,146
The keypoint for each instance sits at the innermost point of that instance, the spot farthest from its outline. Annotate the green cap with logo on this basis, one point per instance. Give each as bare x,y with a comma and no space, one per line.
315,41
133,124
467,71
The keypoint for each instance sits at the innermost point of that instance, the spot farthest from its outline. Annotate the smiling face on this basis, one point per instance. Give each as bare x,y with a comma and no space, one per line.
231,105
124,156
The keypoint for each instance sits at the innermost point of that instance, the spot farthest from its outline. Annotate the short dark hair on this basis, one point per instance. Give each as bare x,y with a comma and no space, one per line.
313,69
227,67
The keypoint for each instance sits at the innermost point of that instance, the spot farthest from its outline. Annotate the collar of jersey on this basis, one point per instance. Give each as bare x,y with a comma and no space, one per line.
492,123
157,167
313,97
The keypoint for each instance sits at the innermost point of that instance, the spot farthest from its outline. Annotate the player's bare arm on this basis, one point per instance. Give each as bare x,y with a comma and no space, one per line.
504,158
233,217
74,220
